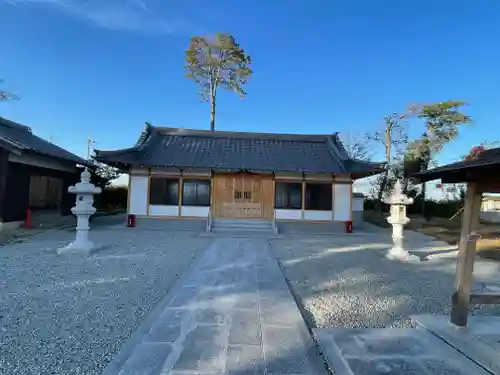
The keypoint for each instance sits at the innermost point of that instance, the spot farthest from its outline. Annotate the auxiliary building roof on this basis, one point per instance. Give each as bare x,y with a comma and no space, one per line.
484,163
19,137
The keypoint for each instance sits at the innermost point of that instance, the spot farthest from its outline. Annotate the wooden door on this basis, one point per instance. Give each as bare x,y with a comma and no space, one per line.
242,195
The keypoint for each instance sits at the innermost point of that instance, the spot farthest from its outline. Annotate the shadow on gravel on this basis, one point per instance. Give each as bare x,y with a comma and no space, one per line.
340,284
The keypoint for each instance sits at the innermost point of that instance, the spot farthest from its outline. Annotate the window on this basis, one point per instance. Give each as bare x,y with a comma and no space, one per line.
164,191
319,197
196,193
288,195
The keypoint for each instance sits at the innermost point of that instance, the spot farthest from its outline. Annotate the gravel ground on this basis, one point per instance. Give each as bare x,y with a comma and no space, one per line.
64,314
345,281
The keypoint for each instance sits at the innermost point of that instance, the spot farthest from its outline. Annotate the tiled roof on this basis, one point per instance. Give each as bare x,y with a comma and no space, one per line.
20,137
486,159
180,148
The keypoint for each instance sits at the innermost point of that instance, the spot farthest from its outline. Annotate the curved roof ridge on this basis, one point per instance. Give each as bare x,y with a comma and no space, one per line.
241,134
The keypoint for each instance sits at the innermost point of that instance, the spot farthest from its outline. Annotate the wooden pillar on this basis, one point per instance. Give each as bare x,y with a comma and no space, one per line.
181,189
465,262
333,199
476,213
211,188
350,202
303,199
4,170
129,189
148,199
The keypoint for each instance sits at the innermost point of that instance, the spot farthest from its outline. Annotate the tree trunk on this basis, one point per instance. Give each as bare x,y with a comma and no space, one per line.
422,202
381,192
212,113
423,168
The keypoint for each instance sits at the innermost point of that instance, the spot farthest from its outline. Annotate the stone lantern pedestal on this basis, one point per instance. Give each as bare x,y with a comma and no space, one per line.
83,209
398,219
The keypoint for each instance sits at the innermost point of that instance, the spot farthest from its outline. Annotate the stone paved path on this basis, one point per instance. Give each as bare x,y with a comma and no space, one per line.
233,313
391,351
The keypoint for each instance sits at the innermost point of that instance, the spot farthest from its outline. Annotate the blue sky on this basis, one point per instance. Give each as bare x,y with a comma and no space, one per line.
102,68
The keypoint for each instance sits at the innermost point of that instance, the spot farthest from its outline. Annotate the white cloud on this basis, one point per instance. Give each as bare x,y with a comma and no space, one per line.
128,15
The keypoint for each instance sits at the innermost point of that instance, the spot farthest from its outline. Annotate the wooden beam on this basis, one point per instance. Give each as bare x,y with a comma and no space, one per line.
465,263
485,298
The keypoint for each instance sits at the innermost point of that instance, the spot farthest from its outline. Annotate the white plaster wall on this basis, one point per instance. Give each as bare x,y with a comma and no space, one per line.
288,214
195,211
490,205
317,215
357,204
341,202
163,210
138,195
491,216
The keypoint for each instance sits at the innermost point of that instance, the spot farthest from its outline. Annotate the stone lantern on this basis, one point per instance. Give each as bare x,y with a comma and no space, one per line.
83,209
398,219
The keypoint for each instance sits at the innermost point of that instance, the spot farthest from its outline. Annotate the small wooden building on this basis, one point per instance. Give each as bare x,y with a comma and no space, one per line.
482,175
34,173
197,173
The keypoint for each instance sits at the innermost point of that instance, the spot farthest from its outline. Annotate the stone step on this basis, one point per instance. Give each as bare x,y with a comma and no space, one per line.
241,221
219,225
240,229
237,225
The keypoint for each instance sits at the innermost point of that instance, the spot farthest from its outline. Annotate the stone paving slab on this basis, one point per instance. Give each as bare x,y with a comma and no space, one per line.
232,313
479,340
391,351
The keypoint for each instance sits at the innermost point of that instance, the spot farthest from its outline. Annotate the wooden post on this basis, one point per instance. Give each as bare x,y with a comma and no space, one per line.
181,189
129,189
465,262
476,210
4,168
303,199
350,201
149,193
333,200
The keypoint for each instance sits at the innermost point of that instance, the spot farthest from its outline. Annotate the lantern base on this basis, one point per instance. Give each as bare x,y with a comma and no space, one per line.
398,253
79,247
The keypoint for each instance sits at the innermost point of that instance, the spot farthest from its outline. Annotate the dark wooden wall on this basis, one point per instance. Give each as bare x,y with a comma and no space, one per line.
14,198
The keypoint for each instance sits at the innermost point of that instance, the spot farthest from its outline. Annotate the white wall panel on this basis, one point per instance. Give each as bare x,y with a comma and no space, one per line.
163,210
317,215
357,203
288,214
138,195
342,202
195,211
